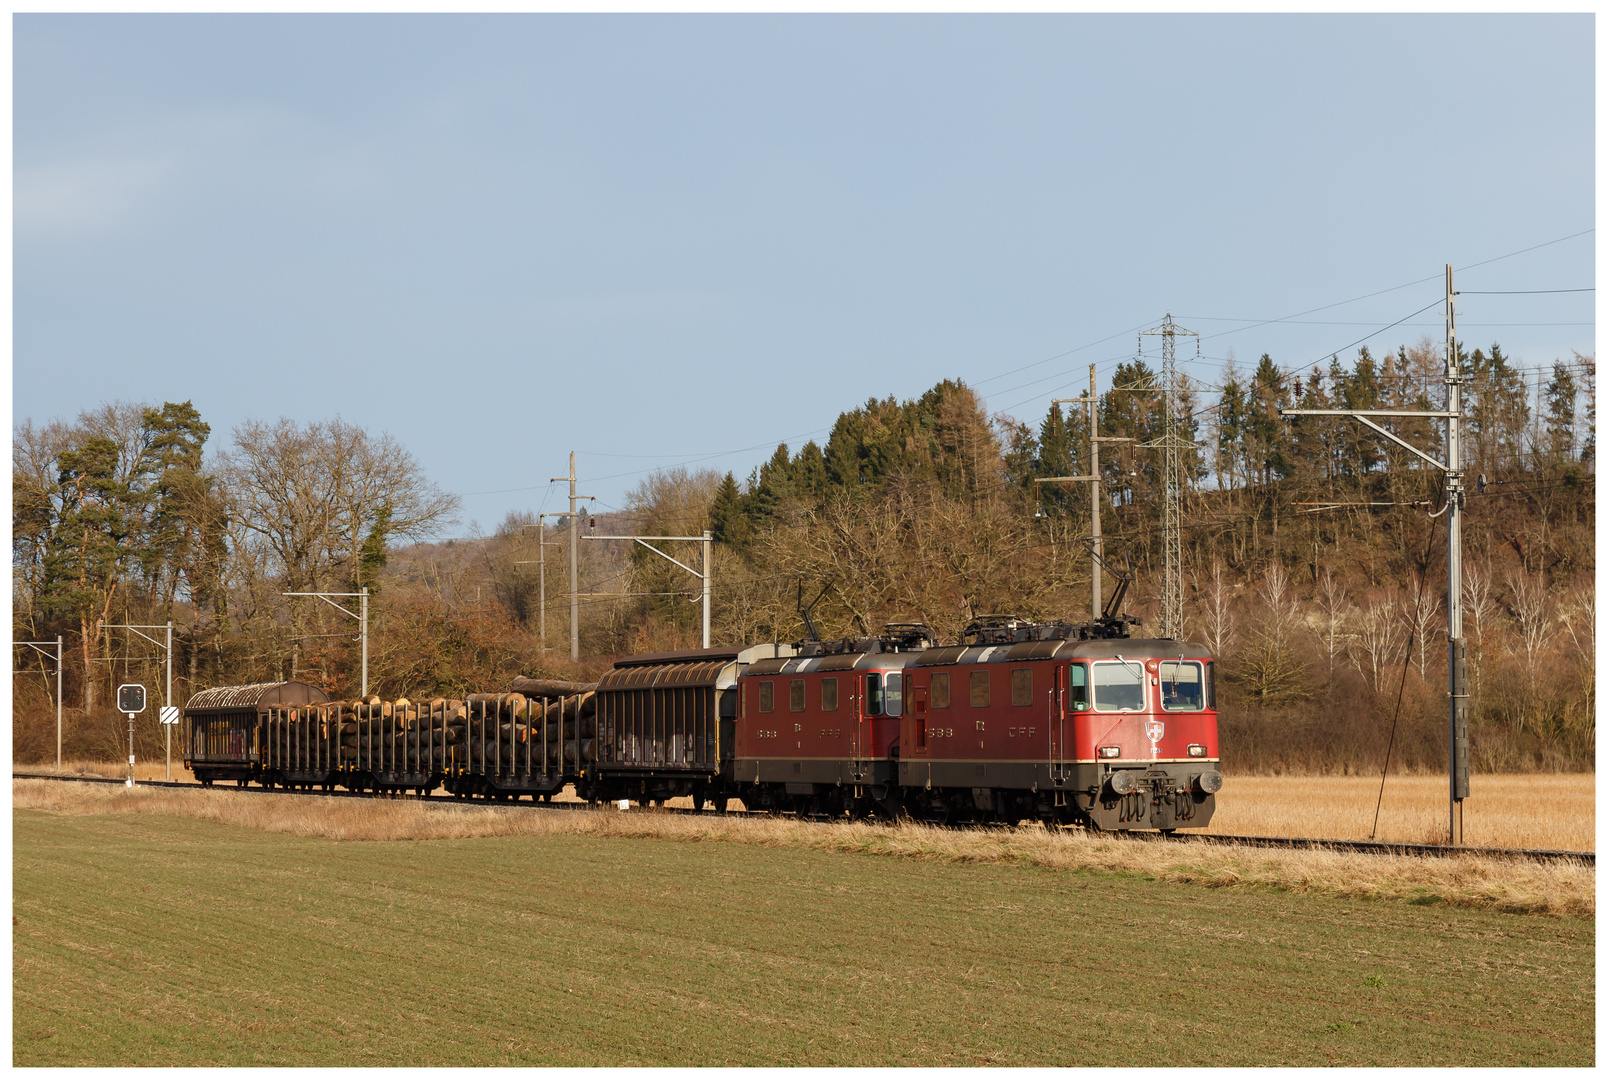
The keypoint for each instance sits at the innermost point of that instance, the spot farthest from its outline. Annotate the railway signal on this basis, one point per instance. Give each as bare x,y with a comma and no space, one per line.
167,698
131,700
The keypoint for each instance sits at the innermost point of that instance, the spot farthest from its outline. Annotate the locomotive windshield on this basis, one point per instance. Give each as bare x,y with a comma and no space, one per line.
1181,686
1119,686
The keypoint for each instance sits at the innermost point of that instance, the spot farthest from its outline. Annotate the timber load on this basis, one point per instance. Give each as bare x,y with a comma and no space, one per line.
410,734
507,741
532,687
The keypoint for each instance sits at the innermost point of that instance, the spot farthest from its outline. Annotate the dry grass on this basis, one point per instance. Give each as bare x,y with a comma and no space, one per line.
1465,881
1528,810
1537,810
143,770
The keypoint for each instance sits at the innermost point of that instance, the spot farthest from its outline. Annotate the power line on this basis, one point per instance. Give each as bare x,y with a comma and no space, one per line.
696,459
1519,292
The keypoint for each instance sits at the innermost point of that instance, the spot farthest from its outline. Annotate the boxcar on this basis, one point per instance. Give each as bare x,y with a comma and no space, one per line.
223,727
666,725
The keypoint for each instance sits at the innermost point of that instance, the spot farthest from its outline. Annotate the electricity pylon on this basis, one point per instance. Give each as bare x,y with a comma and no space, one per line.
1171,443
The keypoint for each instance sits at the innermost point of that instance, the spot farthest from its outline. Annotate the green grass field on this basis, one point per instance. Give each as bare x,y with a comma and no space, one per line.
148,940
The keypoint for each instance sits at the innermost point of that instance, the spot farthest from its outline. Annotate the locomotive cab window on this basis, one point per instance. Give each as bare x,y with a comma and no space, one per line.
795,695
1119,686
1211,687
940,690
893,696
979,689
1078,680
767,697
829,695
1181,686
1022,686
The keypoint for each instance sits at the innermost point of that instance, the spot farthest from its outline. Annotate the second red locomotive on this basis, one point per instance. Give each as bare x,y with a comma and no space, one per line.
1019,721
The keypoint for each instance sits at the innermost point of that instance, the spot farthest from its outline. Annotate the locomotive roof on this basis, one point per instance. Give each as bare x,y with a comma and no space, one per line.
1099,649
253,694
859,661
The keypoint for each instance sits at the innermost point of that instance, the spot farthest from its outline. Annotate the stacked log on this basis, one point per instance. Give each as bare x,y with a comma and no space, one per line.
485,731
550,688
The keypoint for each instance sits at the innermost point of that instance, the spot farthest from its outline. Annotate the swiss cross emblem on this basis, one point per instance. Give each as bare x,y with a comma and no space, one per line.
1154,729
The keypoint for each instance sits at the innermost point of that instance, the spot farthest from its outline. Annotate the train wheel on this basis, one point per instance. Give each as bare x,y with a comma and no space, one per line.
698,800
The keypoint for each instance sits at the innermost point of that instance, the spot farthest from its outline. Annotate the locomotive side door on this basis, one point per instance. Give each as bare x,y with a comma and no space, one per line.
859,737
1059,769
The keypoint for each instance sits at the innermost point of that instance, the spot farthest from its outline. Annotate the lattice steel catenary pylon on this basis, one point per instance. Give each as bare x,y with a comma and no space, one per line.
1171,443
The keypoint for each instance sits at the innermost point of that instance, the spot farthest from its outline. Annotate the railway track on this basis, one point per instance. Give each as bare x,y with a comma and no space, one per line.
1367,847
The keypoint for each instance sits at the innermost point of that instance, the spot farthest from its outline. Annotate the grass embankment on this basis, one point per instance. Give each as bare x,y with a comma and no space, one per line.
1530,810
114,770
1463,881
151,939
1533,810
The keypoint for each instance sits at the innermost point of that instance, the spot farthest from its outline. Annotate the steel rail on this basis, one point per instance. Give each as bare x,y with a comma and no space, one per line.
1365,847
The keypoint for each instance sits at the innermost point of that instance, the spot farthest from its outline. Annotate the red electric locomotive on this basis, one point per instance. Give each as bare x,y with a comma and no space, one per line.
818,732
1039,721
1062,723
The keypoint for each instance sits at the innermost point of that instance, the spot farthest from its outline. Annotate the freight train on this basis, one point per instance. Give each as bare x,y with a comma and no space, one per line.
1061,723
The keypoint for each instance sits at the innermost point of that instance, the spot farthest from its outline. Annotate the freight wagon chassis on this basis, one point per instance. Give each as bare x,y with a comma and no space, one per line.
505,786
303,779
239,773
392,781
654,786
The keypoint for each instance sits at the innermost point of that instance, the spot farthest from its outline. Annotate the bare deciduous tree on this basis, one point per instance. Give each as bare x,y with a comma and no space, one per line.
1380,636
1479,607
1578,614
1332,617
1273,670
1219,617
1425,610
312,505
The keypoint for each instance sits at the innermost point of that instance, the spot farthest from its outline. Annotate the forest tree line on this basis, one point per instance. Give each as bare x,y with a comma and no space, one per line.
1323,606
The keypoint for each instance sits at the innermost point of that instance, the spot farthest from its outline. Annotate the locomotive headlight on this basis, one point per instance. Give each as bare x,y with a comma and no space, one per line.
1110,751
1197,750
1124,781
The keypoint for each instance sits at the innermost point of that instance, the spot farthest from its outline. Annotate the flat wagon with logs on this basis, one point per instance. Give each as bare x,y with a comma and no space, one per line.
532,741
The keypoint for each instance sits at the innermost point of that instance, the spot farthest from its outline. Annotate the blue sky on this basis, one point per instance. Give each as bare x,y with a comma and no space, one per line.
671,240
